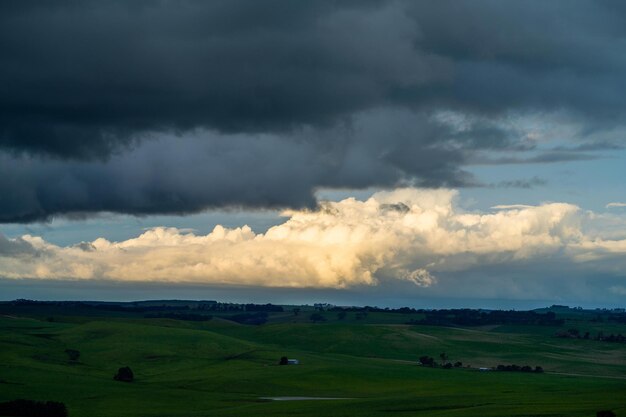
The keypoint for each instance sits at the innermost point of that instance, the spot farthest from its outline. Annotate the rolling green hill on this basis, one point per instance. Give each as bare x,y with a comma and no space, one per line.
219,367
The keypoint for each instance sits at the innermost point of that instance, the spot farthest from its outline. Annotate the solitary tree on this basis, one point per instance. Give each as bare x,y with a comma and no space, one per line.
124,374
283,361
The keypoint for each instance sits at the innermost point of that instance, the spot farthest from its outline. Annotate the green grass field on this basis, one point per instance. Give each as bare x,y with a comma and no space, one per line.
220,368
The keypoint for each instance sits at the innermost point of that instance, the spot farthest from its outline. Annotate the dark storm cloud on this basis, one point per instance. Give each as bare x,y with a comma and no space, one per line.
212,170
283,87
79,77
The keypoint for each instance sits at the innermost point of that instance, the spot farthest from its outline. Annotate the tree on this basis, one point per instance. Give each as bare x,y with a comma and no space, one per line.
296,311
443,356
124,374
427,360
283,360
317,317
605,413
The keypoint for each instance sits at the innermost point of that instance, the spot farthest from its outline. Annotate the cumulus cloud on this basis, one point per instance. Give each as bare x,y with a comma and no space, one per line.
407,234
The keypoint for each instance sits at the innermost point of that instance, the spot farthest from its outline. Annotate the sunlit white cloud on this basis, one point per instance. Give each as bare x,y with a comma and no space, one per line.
511,206
615,205
406,234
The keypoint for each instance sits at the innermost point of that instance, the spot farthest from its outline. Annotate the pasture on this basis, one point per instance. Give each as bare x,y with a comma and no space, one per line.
221,368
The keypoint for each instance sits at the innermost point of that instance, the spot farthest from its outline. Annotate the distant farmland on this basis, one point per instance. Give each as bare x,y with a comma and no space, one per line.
189,359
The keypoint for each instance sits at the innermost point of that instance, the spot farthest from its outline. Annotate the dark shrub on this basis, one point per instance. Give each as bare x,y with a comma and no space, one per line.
317,317
605,413
28,408
458,364
427,361
283,361
124,374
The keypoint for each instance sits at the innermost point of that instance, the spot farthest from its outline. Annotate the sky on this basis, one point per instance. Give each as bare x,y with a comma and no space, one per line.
391,153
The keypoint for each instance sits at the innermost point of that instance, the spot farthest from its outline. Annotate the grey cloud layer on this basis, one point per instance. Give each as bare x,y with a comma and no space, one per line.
79,77
175,175
278,93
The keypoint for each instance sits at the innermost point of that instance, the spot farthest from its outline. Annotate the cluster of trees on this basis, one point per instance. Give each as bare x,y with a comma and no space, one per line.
139,307
619,338
572,334
133,308
430,361
29,408
103,306
369,309
517,368
215,306
179,316
576,334
269,308
470,317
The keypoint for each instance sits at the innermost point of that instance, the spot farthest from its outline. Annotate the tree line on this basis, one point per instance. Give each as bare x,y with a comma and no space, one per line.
470,317
600,336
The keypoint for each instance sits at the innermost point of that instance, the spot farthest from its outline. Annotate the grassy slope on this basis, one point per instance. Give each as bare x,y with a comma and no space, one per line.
219,368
